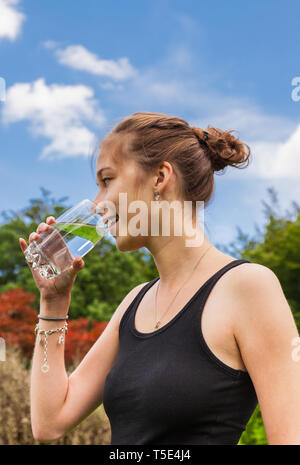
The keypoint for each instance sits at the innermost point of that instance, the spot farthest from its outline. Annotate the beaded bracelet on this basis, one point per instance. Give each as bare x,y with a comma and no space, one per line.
45,367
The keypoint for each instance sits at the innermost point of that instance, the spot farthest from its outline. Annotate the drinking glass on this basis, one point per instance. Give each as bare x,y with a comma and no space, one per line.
74,234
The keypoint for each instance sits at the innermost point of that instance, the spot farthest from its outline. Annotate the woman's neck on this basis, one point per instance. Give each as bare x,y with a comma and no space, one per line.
175,261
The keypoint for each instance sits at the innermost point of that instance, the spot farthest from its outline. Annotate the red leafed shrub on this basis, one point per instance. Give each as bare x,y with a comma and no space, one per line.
80,337
18,320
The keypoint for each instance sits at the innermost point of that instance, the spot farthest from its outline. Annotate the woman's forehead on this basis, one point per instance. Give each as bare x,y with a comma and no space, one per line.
107,152
114,149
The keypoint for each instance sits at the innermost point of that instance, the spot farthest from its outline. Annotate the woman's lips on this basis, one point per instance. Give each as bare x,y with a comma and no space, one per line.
110,220
113,226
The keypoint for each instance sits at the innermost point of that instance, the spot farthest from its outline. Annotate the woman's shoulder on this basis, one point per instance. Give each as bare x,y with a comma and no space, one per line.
253,287
248,279
252,274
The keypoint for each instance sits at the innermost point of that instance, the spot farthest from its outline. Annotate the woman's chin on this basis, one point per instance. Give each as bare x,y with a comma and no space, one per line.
127,243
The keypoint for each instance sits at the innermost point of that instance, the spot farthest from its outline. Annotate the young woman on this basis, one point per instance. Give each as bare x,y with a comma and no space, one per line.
185,357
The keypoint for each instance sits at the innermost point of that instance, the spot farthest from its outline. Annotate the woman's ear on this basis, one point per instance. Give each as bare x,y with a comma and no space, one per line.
163,175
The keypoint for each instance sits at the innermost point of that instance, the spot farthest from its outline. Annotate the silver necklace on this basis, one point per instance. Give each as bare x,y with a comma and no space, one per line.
159,321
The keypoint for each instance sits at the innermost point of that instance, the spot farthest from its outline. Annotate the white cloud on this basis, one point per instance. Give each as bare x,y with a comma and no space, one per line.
153,89
49,44
10,19
250,120
56,112
111,86
278,160
78,57
274,140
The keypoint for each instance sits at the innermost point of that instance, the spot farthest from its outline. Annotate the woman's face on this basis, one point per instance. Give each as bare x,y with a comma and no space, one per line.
118,174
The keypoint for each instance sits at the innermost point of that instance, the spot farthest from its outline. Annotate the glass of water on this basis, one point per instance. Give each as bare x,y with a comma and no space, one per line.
74,234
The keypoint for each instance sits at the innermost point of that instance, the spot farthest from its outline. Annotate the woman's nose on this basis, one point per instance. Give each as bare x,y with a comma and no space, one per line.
97,198
101,206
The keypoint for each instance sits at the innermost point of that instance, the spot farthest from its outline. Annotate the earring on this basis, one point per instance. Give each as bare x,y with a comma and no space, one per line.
156,195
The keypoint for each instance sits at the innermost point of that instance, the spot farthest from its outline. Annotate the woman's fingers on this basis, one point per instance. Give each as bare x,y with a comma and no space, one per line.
50,220
33,236
23,244
36,234
42,227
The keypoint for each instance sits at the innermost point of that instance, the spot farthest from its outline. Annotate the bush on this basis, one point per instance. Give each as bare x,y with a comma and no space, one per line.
255,432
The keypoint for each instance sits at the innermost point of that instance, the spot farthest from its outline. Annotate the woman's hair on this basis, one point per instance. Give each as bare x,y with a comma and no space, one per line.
195,154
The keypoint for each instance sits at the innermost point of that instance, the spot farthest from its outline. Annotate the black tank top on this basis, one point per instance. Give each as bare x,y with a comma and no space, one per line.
167,386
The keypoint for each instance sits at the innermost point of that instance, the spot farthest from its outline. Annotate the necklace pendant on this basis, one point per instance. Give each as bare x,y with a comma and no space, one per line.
157,324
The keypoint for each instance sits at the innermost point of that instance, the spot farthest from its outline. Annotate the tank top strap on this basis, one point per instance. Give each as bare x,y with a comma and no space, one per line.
215,277
198,310
197,302
209,284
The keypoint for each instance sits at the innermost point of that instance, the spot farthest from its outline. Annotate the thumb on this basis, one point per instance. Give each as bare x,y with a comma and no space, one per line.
78,264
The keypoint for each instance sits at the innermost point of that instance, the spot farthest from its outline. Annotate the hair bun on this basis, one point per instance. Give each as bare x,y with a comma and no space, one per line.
224,149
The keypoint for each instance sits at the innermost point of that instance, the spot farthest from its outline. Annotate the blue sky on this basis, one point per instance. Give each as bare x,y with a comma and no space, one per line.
74,69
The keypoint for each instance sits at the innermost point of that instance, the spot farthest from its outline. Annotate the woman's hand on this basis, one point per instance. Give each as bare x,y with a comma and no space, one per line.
61,286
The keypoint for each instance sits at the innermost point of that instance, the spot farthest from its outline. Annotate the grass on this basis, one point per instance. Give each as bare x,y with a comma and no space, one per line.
15,420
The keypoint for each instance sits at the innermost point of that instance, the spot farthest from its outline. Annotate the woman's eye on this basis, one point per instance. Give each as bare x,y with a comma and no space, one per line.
104,180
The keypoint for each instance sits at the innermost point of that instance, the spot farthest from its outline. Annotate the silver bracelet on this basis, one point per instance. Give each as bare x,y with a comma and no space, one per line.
45,367
50,318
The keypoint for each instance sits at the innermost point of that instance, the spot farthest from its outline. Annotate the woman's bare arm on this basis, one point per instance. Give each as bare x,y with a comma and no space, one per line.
59,402
48,390
265,330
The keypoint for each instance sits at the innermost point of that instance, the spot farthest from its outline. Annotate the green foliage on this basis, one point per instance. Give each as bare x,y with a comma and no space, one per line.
255,432
100,311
